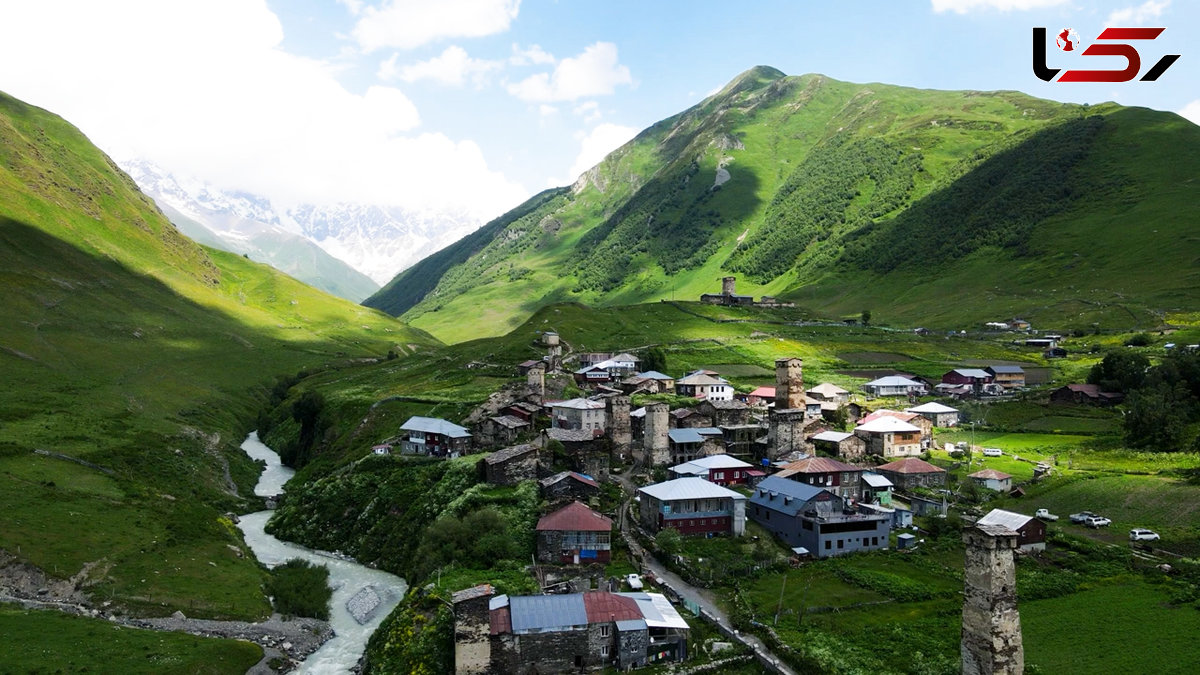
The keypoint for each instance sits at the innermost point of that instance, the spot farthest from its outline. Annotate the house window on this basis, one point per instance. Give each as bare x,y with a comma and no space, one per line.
604,651
604,630
827,543
841,543
874,541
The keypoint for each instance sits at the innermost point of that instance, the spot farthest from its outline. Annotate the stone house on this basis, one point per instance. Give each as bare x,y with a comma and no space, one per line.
1031,532
913,472
503,429
568,485
588,452
578,413
511,465
583,631
693,506
650,382
830,392
813,518
472,630
725,413
888,436
842,444
433,437
689,444
687,418
574,534
992,480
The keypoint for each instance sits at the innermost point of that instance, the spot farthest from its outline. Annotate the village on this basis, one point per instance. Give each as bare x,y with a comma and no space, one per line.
822,470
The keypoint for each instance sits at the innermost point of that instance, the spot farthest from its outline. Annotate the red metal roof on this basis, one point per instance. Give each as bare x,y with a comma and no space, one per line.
763,392
990,473
910,465
574,517
819,465
602,606
905,416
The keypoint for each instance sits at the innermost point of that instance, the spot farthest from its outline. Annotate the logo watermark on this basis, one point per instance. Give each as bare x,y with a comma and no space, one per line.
1105,44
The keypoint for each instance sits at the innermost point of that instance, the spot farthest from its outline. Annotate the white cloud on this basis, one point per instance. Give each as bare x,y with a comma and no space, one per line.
595,72
964,6
531,55
1136,16
406,24
453,67
588,110
1192,111
352,6
595,146
547,110
144,80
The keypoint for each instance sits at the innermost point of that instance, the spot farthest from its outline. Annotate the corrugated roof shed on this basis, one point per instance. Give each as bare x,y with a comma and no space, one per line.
887,424
509,453
546,612
933,407
703,464
602,606
695,435
832,436
990,474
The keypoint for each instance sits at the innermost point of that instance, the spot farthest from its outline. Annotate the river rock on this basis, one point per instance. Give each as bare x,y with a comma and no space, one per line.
364,604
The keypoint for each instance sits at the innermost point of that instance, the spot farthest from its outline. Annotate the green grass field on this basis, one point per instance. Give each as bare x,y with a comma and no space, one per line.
1126,628
51,642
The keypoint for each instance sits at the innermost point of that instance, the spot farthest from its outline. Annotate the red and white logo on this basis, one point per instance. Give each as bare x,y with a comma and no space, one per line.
1105,44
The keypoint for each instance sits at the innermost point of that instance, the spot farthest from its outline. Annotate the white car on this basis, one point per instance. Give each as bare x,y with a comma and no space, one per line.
1096,522
1142,534
992,452
634,581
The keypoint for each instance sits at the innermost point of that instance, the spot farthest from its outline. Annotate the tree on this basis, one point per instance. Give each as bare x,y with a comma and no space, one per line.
669,541
1121,371
1157,417
655,359
308,411
866,317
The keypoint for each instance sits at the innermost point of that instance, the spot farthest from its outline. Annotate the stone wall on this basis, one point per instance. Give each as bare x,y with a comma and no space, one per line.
620,428
789,384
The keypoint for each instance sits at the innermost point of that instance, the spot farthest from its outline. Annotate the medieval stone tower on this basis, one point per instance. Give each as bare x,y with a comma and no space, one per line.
553,349
656,451
728,284
535,379
991,624
789,384
472,647
620,428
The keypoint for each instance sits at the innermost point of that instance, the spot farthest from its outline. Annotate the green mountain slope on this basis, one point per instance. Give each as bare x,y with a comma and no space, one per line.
938,208
127,346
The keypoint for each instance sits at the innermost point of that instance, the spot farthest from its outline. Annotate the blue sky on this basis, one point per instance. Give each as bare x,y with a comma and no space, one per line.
473,105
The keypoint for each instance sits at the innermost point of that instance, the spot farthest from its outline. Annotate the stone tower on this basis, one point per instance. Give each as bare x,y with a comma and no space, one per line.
535,379
472,646
728,284
789,384
620,428
786,432
656,451
991,624
553,349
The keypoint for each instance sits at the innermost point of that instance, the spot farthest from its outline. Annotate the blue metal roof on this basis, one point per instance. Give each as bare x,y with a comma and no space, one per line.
692,435
542,612
435,425
771,491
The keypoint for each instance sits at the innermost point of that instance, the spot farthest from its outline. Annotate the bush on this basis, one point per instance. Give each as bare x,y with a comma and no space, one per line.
1139,340
300,588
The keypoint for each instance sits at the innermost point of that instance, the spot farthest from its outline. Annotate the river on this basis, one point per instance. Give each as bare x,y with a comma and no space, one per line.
347,578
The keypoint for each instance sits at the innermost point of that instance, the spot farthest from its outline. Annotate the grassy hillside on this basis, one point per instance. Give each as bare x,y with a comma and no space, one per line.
936,208
145,356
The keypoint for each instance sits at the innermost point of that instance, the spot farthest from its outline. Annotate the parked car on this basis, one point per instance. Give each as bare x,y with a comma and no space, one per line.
1078,518
1142,534
1096,522
634,581
1045,514
992,452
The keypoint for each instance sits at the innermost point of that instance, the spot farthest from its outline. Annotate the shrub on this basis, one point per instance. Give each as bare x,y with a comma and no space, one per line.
300,588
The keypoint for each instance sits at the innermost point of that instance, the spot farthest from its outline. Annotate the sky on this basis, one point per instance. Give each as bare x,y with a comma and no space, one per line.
471,106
